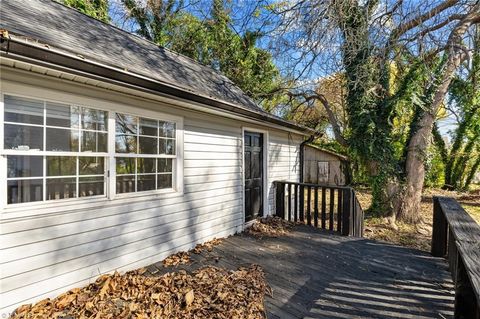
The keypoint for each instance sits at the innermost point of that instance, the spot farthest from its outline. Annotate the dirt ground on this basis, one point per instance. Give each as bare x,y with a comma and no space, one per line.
415,236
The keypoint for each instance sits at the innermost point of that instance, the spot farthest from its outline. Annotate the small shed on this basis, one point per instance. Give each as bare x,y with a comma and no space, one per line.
323,166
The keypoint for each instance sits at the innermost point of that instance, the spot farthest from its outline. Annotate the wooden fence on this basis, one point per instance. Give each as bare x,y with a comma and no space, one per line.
335,208
456,236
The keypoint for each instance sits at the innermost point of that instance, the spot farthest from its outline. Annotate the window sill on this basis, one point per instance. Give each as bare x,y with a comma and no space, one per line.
152,194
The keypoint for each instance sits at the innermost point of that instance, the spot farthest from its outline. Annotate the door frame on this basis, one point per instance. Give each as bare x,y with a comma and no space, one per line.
266,142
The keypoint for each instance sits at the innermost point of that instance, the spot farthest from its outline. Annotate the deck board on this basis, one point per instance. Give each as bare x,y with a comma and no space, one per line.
316,274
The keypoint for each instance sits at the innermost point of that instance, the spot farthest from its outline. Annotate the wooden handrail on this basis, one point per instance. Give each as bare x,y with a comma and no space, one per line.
456,236
335,208
315,185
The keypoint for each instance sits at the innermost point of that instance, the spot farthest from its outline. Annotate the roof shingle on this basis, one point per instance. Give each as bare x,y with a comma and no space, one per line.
60,27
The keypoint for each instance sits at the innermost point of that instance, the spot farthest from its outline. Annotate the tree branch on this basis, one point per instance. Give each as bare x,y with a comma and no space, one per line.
330,114
409,25
441,24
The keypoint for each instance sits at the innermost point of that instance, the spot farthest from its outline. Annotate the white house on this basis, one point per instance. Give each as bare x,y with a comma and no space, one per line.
116,153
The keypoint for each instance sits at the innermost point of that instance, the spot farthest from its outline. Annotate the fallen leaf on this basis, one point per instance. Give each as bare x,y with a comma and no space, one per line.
189,296
270,227
65,301
105,288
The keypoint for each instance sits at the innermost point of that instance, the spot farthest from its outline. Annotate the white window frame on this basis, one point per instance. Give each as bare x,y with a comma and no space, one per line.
49,95
138,155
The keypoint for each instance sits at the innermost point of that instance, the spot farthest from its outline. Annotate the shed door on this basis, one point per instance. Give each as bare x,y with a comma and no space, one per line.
253,175
323,172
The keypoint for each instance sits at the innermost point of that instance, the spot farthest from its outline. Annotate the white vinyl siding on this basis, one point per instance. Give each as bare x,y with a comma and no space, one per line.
283,161
49,249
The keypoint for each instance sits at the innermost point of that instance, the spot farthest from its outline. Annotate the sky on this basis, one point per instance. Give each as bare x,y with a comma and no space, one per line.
288,61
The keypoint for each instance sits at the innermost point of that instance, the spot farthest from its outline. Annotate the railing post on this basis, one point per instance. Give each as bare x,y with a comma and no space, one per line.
357,217
302,203
309,206
339,211
290,201
280,199
332,203
439,231
295,209
315,205
465,301
360,216
346,212
353,213
324,207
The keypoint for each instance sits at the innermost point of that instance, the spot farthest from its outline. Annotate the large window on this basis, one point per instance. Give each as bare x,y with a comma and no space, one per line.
145,153
60,151
53,140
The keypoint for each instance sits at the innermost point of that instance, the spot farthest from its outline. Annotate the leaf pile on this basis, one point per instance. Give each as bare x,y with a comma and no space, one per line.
183,257
180,258
206,246
209,292
270,227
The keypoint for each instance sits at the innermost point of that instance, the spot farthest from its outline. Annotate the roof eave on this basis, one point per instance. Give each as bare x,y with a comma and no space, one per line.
66,63
341,156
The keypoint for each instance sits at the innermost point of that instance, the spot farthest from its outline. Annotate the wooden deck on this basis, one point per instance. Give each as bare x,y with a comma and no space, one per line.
316,274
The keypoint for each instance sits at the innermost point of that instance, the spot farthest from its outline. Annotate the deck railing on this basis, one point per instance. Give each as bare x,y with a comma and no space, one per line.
456,236
335,208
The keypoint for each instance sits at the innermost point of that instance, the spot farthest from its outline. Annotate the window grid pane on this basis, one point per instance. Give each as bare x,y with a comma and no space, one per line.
23,137
91,186
23,191
23,110
61,188
61,166
62,115
24,166
62,140
94,120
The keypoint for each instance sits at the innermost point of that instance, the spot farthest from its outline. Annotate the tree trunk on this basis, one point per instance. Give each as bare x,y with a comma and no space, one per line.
415,170
471,174
409,211
440,144
460,169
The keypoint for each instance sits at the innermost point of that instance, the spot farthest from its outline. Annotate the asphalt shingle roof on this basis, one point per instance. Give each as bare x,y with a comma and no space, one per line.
70,31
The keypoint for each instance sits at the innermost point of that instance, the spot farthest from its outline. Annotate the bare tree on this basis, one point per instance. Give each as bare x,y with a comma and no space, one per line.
391,54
